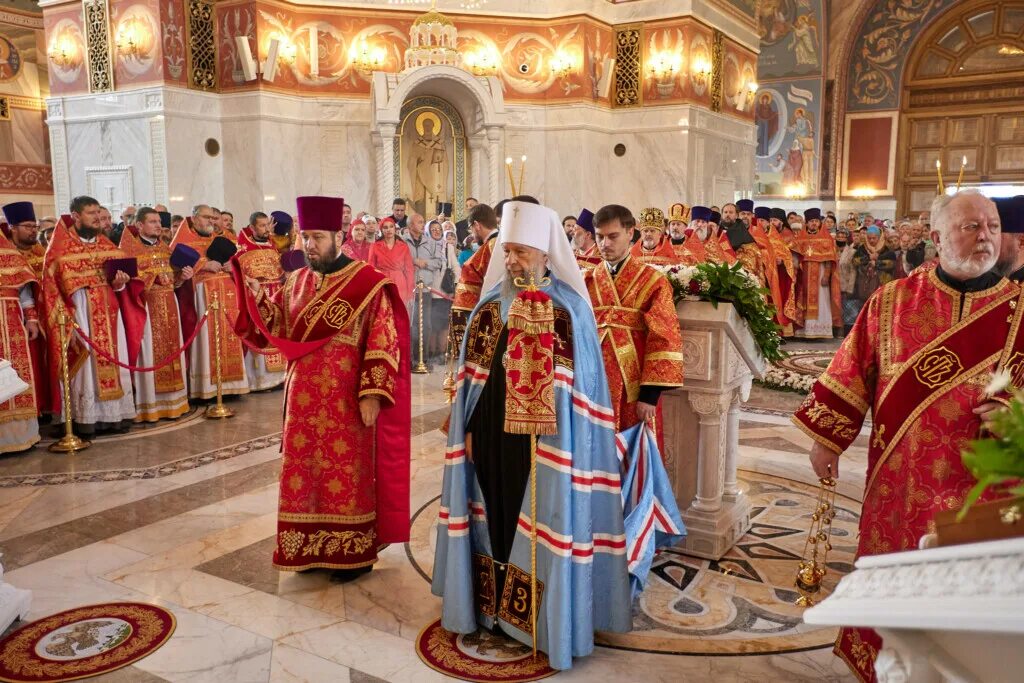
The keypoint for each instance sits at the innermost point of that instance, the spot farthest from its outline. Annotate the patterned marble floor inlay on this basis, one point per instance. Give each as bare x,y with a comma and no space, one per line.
742,604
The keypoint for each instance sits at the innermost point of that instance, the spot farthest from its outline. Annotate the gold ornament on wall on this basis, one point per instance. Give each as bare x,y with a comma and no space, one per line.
717,62
97,45
202,46
628,66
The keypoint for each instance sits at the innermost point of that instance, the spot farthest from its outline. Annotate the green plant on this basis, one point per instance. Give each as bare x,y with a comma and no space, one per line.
998,461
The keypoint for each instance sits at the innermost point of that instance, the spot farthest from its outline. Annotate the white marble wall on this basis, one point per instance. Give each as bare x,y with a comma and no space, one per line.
148,145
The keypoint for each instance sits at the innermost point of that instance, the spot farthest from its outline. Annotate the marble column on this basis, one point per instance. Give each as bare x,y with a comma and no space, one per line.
711,450
494,163
732,452
477,173
386,164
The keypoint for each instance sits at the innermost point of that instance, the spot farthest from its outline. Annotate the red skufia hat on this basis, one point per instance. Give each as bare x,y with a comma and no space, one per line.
320,213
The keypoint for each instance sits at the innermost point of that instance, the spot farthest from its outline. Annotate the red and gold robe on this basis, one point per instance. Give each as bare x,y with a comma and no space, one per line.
816,252
639,332
919,358
262,261
467,293
344,486
34,255
232,360
778,277
72,264
157,278
16,273
662,255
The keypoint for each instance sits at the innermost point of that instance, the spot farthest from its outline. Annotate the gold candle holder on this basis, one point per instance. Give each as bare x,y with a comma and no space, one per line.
811,571
421,367
69,443
218,410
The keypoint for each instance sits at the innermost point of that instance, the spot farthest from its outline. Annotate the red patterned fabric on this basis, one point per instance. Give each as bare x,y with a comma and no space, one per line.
913,359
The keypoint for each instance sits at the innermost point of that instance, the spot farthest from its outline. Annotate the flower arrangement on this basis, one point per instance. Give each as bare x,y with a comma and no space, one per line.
716,282
997,462
787,380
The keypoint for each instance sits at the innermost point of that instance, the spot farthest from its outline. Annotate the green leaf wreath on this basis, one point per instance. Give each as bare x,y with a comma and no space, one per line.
722,282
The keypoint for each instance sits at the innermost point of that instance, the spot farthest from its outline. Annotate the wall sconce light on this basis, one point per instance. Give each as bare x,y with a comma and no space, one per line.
483,62
562,64
288,51
701,71
133,38
63,51
665,65
795,191
367,59
864,192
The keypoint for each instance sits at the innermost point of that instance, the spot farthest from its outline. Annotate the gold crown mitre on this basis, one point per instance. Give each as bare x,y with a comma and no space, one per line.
677,212
652,218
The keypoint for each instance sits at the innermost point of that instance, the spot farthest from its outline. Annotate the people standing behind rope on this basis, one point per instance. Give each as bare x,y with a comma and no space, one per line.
161,393
107,307
390,255
428,259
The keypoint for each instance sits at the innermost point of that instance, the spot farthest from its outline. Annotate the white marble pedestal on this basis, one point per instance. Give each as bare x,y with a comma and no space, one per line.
701,426
944,614
14,602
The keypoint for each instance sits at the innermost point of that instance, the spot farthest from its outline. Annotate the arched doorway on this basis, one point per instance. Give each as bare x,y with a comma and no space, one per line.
474,109
963,100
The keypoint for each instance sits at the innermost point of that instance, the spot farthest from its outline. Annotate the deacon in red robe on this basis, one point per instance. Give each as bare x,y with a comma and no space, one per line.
109,310
636,323
19,324
259,259
653,247
781,276
161,393
818,298
919,358
21,216
345,450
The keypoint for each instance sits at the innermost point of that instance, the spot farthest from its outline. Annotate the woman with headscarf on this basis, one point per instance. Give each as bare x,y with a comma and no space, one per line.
356,246
391,256
875,263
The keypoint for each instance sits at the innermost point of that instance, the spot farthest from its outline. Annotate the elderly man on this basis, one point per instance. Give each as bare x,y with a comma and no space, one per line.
919,357
212,279
654,247
531,395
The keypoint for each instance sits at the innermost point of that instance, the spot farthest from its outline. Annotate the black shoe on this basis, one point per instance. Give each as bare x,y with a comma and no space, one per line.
347,575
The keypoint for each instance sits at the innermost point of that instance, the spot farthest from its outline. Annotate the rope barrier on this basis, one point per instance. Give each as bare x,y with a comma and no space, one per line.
167,361
439,293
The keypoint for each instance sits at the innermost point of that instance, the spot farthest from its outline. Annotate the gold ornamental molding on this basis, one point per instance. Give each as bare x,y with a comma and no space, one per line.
717,64
629,67
21,102
202,45
5,108
97,45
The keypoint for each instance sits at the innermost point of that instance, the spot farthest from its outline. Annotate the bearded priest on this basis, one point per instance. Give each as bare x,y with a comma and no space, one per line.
212,279
654,247
919,356
345,450
261,260
531,394
818,304
161,393
636,322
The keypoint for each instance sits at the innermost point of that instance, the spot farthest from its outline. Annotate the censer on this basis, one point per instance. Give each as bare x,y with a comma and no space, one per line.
812,570
449,376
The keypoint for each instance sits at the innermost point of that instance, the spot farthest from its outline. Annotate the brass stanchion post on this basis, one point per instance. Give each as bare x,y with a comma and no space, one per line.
218,410
421,367
69,443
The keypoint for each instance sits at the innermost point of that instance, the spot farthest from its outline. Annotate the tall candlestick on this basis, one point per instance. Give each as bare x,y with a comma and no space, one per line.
521,170
511,182
938,170
959,179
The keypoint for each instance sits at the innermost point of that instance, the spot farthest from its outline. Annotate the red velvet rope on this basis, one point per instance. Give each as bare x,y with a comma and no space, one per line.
167,361
439,293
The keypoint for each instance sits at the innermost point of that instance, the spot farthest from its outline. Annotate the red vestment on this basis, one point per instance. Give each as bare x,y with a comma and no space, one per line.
395,262
37,347
70,265
639,331
467,293
816,252
262,261
778,276
15,273
344,486
232,363
157,278
919,357
662,255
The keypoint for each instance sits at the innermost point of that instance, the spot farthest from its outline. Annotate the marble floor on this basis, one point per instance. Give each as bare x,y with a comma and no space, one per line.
183,515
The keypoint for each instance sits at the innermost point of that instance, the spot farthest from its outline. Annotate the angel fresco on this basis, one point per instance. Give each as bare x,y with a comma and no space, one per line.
804,42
